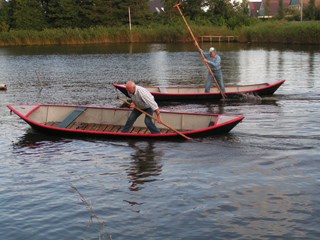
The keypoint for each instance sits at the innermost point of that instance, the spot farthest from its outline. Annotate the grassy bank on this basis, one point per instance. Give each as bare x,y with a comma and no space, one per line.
281,32
152,33
262,32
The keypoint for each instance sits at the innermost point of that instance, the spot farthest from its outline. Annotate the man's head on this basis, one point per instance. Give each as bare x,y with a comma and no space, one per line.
131,87
212,52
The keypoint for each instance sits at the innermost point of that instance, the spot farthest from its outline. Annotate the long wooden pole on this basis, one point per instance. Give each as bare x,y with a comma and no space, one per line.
173,129
199,49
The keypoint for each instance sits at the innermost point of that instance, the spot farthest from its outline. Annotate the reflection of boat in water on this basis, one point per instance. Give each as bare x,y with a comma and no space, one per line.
33,139
145,165
189,93
85,121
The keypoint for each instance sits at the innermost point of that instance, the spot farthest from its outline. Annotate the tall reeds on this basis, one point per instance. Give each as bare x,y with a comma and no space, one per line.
281,32
64,36
151,33
269,31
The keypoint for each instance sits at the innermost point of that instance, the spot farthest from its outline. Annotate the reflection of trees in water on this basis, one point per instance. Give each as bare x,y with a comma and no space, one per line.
145,164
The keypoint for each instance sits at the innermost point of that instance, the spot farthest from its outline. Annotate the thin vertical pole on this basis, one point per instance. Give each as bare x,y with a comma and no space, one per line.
130,23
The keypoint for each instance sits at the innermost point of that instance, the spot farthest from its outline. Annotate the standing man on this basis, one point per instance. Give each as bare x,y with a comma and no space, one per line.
214,61
144,100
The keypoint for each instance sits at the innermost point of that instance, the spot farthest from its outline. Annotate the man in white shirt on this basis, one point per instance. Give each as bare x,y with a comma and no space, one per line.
144,100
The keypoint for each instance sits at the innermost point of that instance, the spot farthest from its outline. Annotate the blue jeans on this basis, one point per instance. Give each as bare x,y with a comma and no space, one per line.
218,76
147,120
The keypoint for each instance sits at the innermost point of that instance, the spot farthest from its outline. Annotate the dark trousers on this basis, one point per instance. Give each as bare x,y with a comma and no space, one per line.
219,78
147,120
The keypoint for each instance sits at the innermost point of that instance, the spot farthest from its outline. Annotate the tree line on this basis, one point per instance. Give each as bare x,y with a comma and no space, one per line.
41,14
55,14
46,14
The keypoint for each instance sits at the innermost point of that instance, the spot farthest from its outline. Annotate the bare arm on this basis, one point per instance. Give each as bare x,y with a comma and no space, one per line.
158,115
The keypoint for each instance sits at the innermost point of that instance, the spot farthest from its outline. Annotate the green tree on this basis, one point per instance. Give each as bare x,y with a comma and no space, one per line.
240,15
220,11
280,14
171,13
116,12
140,12
62,14
4,16
110,12
28,15
195,9
311,10
85,13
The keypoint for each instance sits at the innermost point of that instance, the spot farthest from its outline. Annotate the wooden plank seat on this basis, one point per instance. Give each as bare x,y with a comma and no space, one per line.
71,117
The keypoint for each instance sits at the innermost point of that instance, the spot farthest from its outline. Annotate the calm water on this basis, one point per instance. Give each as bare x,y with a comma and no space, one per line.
261,181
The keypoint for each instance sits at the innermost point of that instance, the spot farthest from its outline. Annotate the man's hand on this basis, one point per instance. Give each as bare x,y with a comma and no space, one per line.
132,105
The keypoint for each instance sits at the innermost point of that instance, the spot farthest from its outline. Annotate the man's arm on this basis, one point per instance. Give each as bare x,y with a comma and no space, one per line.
158,115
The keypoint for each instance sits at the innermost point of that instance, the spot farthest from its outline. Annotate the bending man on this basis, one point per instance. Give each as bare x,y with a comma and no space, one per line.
144,100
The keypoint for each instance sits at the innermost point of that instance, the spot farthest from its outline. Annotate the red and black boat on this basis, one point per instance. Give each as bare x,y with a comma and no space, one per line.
80,121
190,93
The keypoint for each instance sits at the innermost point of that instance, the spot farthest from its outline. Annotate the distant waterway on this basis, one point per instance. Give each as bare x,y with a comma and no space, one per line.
260,181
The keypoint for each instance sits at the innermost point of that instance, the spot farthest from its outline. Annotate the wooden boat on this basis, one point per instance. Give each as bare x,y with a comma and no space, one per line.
80,121
188,93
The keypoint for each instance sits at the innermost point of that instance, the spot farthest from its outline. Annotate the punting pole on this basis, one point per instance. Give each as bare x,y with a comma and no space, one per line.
199,49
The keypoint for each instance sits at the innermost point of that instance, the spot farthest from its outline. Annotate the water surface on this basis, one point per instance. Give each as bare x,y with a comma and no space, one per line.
260,181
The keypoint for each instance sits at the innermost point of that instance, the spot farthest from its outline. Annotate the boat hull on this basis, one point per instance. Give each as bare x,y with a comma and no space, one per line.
198,94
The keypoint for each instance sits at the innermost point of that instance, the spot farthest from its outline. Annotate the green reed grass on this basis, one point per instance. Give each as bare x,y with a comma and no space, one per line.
151,33
263,32
282,32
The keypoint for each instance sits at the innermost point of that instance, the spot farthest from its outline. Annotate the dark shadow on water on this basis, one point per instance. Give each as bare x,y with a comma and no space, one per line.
33,139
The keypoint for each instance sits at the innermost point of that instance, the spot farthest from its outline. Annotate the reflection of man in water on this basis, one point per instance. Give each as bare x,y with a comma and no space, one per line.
144,165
